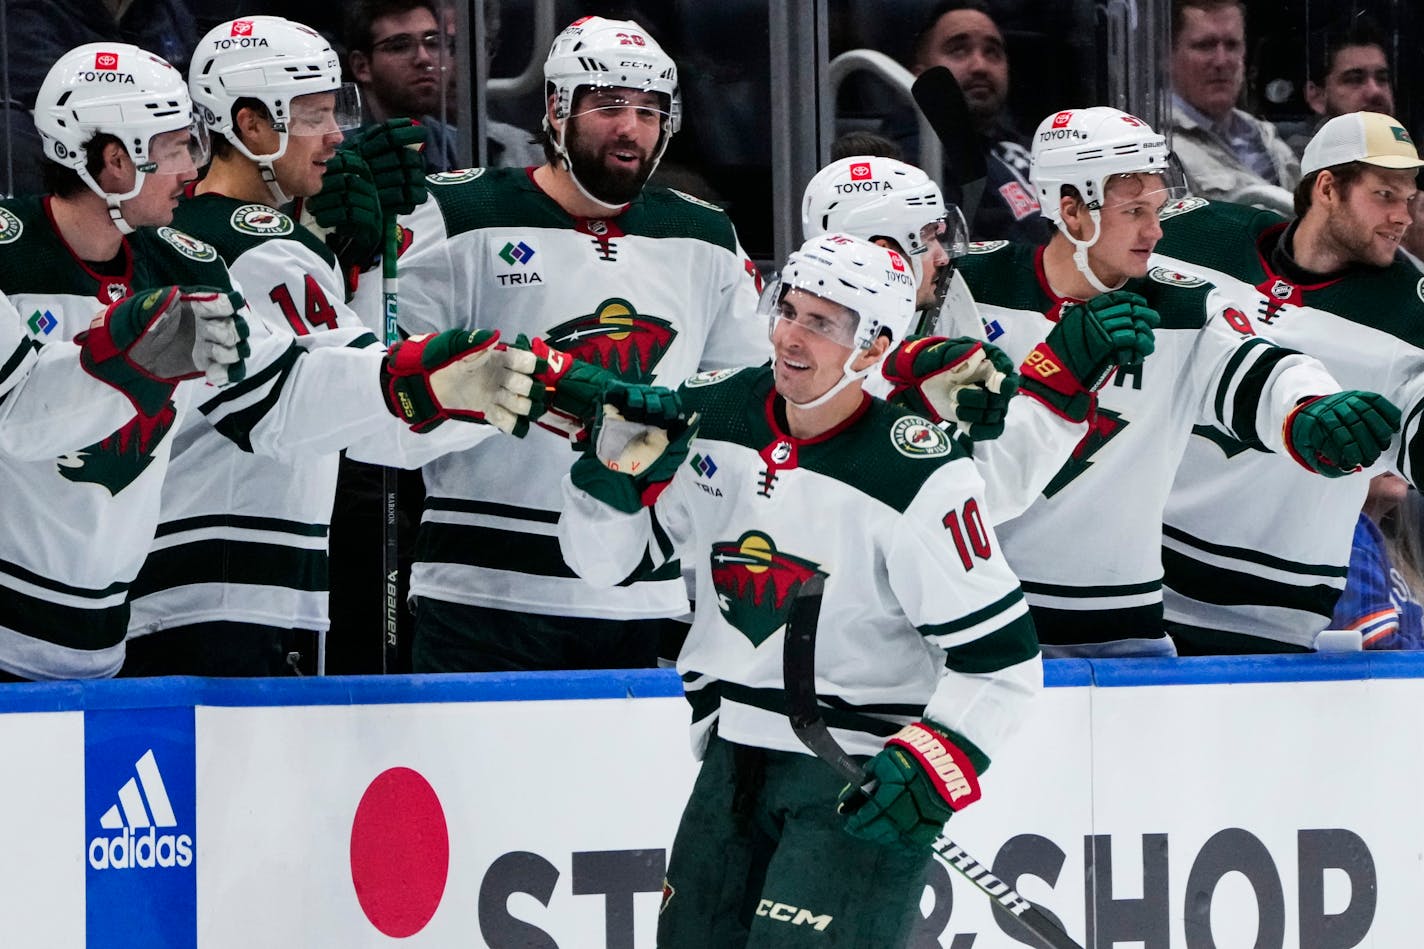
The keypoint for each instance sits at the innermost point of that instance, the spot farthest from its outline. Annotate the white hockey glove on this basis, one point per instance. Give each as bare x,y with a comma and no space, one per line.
462,374
149,341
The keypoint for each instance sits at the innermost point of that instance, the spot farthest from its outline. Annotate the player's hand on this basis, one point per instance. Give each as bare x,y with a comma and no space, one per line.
640,437
392,151
147,342
573,389
915,785
348,211
961,380
461,374
1340,434
1091,339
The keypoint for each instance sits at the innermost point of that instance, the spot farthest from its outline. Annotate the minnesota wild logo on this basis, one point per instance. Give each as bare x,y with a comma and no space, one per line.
617,337
121,457
756,583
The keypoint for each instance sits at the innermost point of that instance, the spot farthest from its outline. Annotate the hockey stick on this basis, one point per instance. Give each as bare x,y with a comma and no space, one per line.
798,670
390,550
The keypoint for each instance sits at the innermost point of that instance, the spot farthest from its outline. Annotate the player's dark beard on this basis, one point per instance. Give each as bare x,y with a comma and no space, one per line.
616,185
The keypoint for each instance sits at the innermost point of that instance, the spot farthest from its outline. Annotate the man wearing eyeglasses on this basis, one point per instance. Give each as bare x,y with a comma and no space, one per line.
401,58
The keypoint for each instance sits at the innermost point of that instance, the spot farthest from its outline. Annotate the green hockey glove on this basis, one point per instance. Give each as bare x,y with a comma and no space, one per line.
640,437
348,211
574,390
392,151
1092,338
919,780
1339,434
147,342
461,374
961,380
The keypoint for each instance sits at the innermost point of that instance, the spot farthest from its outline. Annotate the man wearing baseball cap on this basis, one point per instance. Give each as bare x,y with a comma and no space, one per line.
1255,555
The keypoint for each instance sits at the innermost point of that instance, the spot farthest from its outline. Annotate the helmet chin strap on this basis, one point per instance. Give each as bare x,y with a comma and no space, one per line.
848,375
1080,252
264,165
112,201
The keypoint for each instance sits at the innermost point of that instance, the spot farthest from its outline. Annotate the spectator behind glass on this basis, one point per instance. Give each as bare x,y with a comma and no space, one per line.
961,36
400,56
1228,154
1349,72
1382,592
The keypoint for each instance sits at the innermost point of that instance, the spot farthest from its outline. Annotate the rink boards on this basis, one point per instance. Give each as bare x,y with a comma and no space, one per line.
1229,803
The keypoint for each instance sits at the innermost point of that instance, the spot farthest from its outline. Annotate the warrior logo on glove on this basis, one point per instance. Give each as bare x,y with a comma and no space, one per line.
756,583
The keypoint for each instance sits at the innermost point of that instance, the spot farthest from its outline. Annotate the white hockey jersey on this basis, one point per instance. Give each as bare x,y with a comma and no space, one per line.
1088,551
654,294
78,523
921,615
242,537
1253,544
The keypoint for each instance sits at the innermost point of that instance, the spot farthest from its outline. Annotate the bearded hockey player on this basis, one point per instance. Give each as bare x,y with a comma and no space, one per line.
648,283
236,582
116,123
1245,570
768,477
1103,176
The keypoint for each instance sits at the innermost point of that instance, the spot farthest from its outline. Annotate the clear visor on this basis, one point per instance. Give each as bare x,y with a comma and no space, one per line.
647,107
952,236
782,302
181,151
1144,192
324,113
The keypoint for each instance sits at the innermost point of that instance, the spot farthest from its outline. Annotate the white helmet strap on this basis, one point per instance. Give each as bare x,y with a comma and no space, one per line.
558,135
1080,251
848,375
264,162
112,201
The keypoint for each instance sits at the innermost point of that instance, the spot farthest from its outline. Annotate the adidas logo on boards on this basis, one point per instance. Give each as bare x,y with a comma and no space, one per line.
143,809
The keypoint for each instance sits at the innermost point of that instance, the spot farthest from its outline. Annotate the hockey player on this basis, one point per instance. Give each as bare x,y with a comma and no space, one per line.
924,637
1245,571
236,582
649,283
115,122
960,379
1103,177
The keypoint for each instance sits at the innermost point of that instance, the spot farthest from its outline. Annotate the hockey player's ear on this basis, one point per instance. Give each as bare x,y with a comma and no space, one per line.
550,107
117,173
872,353
254,127
1075,216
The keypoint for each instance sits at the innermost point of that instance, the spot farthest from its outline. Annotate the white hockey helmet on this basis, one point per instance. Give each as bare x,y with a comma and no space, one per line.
870,196
120,90
597,52
873,282
275,61
1084,148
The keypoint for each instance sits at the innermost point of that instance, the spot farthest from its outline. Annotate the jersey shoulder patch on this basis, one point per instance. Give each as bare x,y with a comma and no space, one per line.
260,220
11,227
444,178
692,199
1182,206
187,245
916,437
711,377
986,247
1175,278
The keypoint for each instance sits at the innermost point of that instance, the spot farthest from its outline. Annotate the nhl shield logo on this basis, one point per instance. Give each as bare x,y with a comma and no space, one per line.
260,220
114,292
10,227
756,583
617,337
1281,290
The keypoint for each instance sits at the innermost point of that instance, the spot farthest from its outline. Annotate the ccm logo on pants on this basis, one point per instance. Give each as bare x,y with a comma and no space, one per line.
783,913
